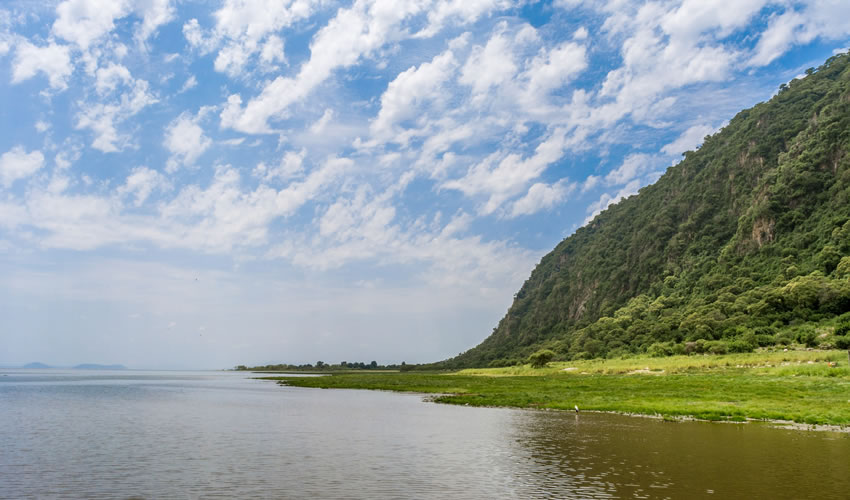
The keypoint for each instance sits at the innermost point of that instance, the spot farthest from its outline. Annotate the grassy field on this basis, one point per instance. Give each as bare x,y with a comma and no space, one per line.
799,386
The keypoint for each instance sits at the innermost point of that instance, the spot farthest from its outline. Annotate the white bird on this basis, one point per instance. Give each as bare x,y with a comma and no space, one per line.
576,406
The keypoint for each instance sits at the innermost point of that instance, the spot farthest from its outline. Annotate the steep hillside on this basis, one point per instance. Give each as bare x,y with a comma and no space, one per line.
745,242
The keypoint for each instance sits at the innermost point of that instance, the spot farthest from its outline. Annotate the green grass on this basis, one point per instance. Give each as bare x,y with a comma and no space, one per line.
796,385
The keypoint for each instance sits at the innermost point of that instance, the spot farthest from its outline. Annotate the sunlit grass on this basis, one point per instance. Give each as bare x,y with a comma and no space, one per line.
766,360
800,386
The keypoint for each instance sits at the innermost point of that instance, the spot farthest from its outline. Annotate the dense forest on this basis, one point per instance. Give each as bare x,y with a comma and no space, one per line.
744,243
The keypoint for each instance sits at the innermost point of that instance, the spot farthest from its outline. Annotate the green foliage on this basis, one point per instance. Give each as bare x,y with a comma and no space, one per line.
541,358
805,387
743,242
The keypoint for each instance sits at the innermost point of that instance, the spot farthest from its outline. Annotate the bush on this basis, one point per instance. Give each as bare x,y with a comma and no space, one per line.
842,342
842,329
718,347
807,336
784,338
765,340
659,350
738,345
541,358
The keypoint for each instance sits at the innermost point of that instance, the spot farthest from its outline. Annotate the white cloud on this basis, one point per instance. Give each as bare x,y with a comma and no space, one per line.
319,126
53,60
273,52
84,21
141,182
154,13
801,25
551,70
245,28
633,166
185,139
17,164
291,165
411,89
606,200
189,84
689,140
490,65
194,34
542,196
108,77
580,34
103,119
353,33
459,12
502,175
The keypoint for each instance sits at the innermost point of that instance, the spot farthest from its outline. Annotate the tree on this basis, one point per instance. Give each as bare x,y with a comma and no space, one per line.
540,358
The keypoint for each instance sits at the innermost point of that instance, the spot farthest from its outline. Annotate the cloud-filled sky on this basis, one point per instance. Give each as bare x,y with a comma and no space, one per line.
193,184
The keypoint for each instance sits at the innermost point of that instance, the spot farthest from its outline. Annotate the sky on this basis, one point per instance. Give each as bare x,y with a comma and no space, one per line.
201,184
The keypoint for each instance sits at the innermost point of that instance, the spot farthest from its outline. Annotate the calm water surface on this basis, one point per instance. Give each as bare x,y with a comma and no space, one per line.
221,435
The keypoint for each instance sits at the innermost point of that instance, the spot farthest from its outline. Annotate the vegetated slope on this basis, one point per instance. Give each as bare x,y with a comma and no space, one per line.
745,242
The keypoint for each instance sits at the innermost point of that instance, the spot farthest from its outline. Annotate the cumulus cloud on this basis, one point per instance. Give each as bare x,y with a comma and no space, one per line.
17,164
290,166
141,182
689,140
53,60
245,30
801,25
110,76
185,139
633,166
459,12
86,22
489,65
502,174
542,196
412,88
103,118
353,33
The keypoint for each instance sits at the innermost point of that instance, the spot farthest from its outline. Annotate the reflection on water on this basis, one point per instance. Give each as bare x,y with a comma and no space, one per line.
221,435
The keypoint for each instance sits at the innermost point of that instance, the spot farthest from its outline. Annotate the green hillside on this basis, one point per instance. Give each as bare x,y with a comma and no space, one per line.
744,243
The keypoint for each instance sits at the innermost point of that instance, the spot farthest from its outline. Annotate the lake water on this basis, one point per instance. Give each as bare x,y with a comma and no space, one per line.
222,435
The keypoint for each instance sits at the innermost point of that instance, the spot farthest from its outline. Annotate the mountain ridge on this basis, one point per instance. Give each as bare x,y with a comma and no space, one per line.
747,237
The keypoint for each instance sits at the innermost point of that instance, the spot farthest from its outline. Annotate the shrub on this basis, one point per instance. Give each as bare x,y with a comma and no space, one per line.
765,340
842,329
738,345
842,342
784,338
541,358
808,336
659,350
718,347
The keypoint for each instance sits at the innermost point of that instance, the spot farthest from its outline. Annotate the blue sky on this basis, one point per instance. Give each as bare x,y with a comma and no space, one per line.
203,184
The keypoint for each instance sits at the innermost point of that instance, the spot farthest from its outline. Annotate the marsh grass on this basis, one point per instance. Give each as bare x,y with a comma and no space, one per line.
799,386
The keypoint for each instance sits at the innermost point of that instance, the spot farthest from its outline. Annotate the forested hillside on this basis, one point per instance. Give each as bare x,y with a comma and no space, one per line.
744,243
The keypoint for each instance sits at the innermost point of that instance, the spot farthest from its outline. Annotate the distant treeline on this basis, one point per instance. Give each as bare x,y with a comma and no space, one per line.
322,366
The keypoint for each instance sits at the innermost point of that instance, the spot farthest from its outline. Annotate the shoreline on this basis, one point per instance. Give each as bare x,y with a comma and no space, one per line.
802,390
435,398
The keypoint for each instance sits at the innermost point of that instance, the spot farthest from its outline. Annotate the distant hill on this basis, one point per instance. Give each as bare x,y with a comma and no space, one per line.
744,243
91,366
36,365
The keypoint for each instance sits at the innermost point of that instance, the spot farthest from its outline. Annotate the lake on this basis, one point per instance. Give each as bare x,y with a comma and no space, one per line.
138,434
